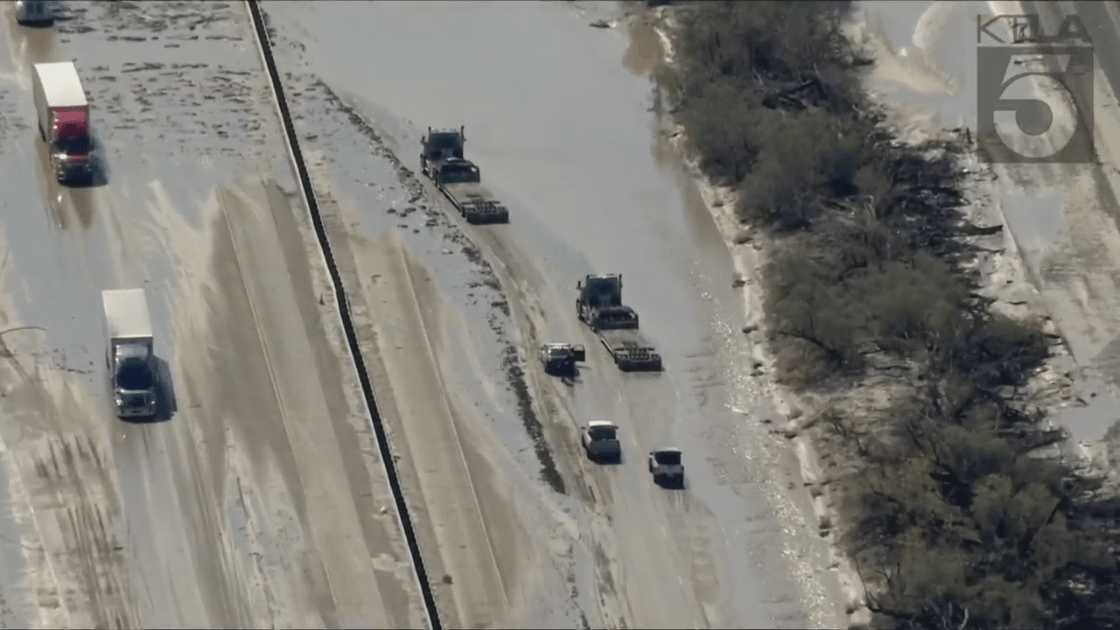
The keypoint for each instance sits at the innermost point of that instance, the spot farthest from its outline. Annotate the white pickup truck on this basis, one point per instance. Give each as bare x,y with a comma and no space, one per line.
600,441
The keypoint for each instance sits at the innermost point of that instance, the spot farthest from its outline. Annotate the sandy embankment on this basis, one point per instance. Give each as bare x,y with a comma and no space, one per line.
746,247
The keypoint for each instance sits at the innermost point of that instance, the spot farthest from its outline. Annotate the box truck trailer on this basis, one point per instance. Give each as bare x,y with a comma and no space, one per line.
63,113
129,347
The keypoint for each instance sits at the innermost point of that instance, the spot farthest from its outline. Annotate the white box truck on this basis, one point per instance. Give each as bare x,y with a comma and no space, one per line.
63,113
129,355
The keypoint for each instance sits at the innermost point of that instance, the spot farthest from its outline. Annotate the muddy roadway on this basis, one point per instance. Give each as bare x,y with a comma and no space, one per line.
259,499
1061,218
558,116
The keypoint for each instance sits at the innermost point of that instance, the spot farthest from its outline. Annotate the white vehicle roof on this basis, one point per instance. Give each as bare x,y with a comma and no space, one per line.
61,85
126,312
602,423
667,449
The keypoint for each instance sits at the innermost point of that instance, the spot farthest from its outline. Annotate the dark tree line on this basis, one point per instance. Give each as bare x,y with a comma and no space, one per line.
956,522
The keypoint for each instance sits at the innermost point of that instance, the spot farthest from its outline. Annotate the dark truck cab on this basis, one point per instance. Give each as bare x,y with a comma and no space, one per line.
459,179
37,12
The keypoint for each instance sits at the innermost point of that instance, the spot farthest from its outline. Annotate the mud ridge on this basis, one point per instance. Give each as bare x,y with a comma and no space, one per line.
512,362
265,46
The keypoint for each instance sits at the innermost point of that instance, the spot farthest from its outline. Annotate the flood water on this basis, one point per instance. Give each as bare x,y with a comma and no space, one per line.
559,116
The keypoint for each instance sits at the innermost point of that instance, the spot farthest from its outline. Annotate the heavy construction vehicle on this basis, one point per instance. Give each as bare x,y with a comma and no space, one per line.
599,305
560,359
459,179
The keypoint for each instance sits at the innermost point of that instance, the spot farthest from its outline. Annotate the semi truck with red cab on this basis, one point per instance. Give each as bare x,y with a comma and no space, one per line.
63,113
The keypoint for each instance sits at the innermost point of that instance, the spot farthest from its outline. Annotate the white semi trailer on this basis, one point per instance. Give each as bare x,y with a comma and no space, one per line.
129,347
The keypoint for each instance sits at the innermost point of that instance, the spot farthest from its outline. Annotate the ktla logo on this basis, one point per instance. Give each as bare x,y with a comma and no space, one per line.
1034,90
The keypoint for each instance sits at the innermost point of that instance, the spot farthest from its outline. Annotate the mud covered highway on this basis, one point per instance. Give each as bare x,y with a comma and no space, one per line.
262,499
564,135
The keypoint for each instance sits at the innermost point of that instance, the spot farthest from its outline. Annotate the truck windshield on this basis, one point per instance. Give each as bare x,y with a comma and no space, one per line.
134,376
604,291
441,142
73,146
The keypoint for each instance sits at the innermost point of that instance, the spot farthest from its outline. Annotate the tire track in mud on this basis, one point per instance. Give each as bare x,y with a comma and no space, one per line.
596,486
512,361
527,312
68,495
500,266
93,547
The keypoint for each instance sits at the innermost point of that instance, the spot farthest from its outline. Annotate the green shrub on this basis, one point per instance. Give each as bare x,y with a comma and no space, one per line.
867,275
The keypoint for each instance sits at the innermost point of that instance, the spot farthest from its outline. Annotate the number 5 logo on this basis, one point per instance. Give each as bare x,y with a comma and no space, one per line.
1036,113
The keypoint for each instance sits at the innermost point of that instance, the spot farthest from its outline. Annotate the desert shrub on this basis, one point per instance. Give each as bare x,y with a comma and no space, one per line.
723,132
809,307
799,157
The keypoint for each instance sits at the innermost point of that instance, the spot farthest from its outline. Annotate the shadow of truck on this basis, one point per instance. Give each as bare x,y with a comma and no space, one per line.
166,404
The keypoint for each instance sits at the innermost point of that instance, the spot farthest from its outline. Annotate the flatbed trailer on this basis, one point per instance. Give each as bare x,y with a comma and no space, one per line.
459,179
474,202
599,305
631,351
